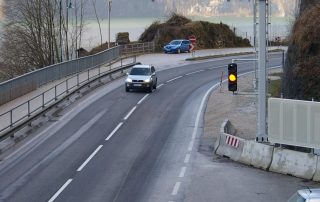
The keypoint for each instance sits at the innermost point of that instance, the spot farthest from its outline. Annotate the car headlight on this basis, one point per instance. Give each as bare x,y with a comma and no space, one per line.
128,80
147,80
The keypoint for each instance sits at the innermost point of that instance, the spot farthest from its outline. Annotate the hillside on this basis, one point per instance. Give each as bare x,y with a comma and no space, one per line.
301,78
209,35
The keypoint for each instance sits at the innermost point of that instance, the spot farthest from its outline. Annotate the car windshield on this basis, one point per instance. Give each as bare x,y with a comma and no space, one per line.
296,198
175,42
140,71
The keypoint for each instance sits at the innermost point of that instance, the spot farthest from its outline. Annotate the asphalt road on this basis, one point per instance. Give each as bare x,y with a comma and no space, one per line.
118,146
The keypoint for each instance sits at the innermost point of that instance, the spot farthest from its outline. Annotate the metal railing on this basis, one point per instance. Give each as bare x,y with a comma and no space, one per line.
35,105
138,48
14,88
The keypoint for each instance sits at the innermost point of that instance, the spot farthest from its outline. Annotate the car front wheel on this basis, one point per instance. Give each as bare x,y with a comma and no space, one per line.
155,85
127,89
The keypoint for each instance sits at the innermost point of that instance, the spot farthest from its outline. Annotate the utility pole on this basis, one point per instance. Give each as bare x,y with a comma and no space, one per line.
109,8
60,30
261,135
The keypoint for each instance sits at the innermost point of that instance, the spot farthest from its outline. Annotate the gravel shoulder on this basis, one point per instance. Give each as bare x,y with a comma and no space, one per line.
239,108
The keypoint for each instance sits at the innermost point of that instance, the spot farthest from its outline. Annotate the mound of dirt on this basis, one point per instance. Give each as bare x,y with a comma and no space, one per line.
209,35
302,70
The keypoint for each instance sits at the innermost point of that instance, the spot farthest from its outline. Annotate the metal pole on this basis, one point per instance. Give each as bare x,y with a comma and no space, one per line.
60,8
109,7
261,135
255,37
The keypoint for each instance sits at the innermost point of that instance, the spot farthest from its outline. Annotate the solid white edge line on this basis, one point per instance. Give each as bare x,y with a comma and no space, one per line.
182,172
176,188
187,158
114,131
174,79
129,114
144,97
60,190
89,158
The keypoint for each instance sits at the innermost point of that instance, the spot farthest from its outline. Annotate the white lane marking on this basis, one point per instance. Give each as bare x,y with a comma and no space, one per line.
190,145
160,85
174,79
89,158
130,113
114,131
176,188
144,97
187,158
217,67
182,172
60,190
194,72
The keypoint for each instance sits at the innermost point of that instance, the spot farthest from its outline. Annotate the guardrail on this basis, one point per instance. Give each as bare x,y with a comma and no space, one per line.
21,114
14,88
138,48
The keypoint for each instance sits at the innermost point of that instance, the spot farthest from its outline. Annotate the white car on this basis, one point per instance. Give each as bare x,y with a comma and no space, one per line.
306,195
141,77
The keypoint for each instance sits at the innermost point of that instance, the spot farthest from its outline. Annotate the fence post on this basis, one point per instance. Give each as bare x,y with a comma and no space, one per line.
11,119
67,86
43,100
29,108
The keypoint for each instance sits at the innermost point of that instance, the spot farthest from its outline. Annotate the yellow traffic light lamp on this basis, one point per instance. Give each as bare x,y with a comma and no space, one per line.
232,77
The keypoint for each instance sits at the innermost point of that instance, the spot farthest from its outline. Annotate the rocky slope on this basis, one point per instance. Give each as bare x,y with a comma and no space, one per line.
301,78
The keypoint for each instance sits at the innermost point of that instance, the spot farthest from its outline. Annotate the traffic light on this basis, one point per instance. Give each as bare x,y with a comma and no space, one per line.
232,77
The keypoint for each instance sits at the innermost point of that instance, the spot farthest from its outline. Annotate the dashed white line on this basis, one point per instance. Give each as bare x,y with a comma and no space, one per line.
187,158
60,190
129,114
176,188
194,72
174,79
144,97
89,158
159,86
182,172
114,131
190,145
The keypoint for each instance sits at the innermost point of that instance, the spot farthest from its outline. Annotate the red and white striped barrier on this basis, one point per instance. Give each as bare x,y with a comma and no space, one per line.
232,140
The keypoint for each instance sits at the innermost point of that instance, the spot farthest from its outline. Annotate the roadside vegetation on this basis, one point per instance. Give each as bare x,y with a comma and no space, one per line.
209,35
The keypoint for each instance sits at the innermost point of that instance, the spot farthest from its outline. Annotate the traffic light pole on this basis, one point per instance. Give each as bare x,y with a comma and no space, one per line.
261,133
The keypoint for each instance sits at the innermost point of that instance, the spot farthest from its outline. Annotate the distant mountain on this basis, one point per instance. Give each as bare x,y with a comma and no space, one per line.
150,8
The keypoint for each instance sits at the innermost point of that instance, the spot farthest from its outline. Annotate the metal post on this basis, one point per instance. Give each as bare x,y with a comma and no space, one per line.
261,135
67,86
109,8
42,100
60,9
29,108
55,93
255,37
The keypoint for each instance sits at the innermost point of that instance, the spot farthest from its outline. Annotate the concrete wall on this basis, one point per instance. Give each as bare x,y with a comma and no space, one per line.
268,157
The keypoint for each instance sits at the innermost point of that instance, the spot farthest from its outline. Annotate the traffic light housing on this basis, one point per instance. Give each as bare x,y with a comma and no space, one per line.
232,77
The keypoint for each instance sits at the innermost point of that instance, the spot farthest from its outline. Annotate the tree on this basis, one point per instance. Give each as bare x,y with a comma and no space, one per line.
32,35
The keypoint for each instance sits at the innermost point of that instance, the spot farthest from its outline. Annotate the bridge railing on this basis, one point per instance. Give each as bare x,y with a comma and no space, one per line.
16,87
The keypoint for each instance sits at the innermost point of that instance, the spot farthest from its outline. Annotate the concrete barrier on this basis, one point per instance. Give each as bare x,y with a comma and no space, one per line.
316,176
230,146
256,154
295,163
